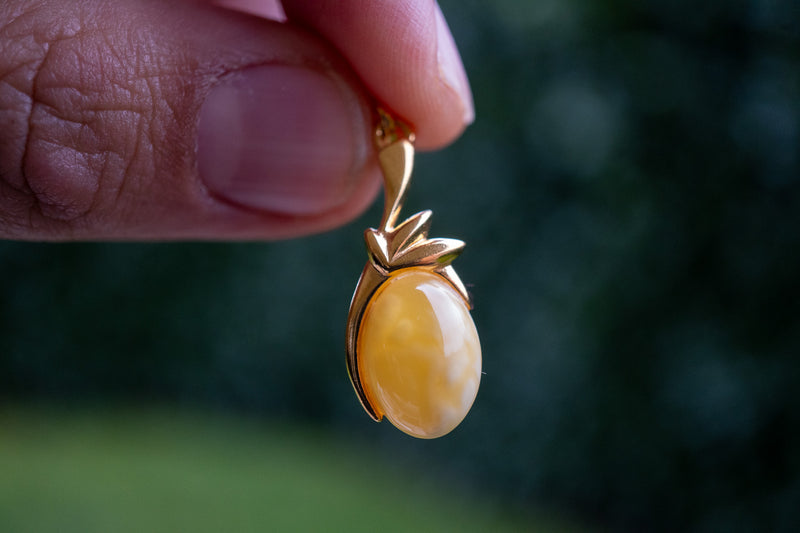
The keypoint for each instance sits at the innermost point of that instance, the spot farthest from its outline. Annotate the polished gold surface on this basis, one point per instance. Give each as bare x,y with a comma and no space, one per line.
394,247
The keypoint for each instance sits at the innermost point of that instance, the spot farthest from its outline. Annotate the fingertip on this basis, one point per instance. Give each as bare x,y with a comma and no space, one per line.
406,56
451,68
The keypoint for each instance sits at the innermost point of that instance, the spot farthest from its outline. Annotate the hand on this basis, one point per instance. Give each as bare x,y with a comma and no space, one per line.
146,119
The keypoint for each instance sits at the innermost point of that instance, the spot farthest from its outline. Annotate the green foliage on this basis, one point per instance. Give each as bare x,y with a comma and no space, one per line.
630,200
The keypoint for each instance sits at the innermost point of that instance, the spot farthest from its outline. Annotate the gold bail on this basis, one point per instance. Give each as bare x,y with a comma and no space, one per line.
390,130
395,142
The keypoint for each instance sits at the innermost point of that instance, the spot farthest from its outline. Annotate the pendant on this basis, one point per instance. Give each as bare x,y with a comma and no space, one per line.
413,352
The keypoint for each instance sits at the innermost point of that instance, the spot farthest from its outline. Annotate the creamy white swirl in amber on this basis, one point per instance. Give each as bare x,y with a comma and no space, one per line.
419,355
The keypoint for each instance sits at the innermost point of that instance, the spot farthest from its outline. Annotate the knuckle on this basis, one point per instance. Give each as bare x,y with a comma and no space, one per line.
77,126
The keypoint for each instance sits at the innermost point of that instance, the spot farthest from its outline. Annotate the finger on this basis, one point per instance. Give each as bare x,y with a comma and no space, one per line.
141,119
404,52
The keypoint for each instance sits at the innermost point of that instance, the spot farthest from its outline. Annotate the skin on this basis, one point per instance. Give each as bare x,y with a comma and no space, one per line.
100,107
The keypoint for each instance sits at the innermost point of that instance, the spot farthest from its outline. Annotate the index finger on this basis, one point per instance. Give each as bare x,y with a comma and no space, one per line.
403,52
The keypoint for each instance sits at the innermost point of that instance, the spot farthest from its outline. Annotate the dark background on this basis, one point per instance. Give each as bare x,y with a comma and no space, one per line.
630,199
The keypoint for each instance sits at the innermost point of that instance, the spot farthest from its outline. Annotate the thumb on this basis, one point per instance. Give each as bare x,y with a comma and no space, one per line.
157,120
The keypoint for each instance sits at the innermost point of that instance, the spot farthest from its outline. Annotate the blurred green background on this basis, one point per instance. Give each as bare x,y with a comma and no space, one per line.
630,199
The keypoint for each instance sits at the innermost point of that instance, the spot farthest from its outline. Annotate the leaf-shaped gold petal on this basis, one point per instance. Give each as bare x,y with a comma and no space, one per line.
450,275
412,229
432,252
377,248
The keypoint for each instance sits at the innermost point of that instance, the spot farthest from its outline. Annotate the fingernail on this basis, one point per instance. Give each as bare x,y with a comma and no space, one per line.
451,69
279,138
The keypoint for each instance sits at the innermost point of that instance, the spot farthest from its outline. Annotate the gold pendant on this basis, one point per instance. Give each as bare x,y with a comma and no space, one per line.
413,352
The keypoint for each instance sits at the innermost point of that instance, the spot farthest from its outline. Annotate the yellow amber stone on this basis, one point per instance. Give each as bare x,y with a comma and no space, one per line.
419,356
